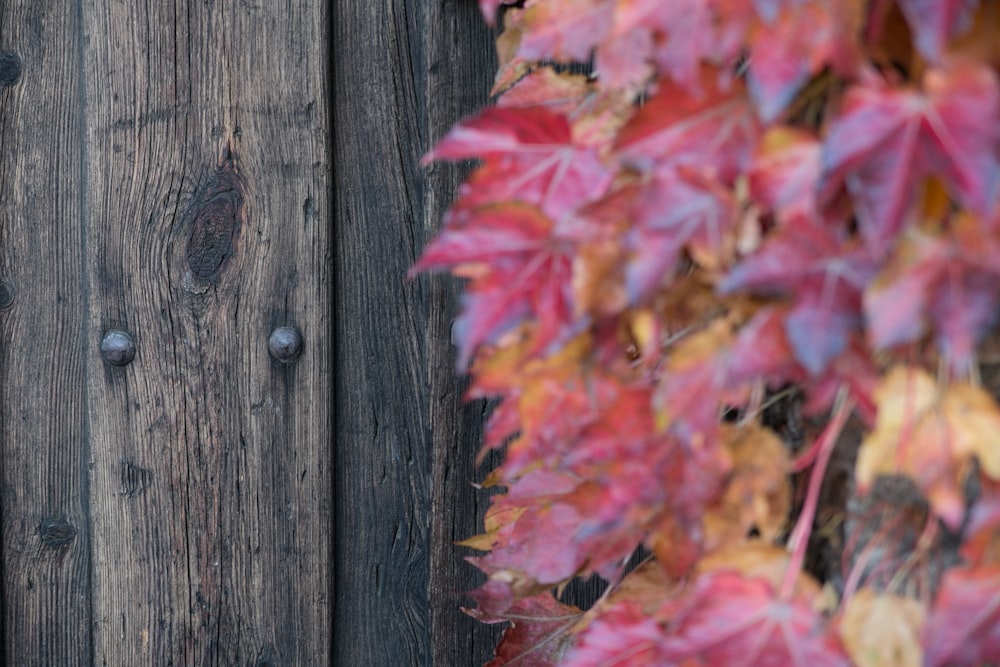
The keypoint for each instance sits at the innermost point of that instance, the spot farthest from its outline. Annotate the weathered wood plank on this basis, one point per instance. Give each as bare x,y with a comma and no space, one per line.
43,429
383,449
404,73
460,63
208,172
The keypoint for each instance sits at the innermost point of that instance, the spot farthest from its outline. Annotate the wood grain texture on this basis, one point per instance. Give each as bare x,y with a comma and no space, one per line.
404,72
207,172
383,449
43,430
460,62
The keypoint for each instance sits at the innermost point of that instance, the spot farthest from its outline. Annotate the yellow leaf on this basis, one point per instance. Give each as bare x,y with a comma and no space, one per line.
911,437
758,492
883,630
931,434
974,421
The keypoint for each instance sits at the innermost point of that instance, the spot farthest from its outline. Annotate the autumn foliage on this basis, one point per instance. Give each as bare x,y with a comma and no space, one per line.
736,291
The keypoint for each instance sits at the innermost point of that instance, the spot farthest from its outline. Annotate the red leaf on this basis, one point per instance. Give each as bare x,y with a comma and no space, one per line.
675,209
711,131
934,22
938,280
824,272
733,620
564,30
964,625
698,31
786,51
538,635
520,272
820,324
785,173
530,156
623,635
762,350
886,140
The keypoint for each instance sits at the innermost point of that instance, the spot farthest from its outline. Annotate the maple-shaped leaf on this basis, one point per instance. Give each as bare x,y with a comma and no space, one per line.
963,629
879,629
784,177
762,351
933,279
623,635
824,271
677,208
519,272
796,44
530,156
600,477
689,33
564,30
934,22
886,140
712,131
930,434
734,620
539,631
530,534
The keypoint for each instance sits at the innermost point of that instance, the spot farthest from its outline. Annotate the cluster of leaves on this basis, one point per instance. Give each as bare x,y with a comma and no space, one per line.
742,196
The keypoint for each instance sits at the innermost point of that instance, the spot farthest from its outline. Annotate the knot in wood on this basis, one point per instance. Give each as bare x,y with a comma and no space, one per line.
10,68
7,291
213,234
56,532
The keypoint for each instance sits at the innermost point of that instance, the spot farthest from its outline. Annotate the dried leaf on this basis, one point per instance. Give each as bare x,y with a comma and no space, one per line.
881,630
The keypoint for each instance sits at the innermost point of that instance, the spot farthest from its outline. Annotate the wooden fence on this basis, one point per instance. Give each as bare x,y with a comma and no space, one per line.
183,182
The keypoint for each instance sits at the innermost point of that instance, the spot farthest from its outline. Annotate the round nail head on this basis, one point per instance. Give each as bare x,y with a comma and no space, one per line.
285,344
118,348
10,68
6,294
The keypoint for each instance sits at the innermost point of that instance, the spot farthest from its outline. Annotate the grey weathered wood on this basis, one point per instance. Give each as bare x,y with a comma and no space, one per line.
404,73
43,428
382,453
460,63
207,172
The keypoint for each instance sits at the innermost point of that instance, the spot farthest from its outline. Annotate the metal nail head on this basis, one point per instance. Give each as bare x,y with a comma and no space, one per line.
118,348
285,344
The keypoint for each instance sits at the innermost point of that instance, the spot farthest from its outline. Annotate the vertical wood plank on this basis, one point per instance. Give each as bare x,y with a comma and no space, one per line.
404,74
208,172
460,65
383,449
43,429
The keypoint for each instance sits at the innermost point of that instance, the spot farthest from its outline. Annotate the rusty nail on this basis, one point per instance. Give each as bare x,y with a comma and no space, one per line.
117,348
10,68
285,344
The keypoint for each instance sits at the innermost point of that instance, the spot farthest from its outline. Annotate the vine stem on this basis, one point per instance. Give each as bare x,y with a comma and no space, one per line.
825,445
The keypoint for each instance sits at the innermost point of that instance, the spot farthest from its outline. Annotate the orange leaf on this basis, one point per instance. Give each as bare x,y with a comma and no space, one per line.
883,630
